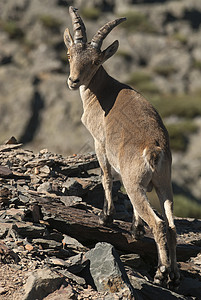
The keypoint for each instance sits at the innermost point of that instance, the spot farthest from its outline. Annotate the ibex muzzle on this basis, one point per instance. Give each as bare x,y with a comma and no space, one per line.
129,137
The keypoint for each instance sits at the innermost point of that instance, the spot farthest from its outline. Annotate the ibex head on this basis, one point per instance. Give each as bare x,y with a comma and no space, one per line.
85,58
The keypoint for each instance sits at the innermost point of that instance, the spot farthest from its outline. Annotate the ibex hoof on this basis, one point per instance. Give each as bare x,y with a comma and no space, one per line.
137,232
105,219
161,277
166,278
175,280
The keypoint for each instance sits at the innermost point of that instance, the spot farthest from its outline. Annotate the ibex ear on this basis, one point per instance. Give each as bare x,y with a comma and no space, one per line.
68,40
109,51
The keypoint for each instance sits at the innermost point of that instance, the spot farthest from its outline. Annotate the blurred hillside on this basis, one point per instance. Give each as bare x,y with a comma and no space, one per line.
159,55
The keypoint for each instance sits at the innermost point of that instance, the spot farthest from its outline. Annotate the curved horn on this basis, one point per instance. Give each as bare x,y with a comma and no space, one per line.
78,26
101,34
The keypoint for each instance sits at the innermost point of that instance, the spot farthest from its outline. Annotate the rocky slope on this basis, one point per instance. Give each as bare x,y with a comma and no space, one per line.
159,54
52,247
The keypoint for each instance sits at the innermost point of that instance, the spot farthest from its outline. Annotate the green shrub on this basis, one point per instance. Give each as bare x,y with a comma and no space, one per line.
185,106
147,88
90,13
125,55
138,77
179,133
186,208
164,70
142,81
197,64
50,22
180,37
136,21
12,29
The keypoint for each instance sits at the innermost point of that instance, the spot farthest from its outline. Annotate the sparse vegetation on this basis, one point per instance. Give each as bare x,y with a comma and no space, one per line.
12,29
142,81
197,64
125,55
139,76
136,21
91,13
50,22
164,70
184,106
179,133
185,207
180,37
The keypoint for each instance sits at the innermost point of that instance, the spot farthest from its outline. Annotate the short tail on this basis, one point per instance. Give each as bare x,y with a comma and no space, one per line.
153,157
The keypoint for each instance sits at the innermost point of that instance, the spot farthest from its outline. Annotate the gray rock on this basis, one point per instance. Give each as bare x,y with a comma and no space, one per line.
189,179
28,229
5,172
74,187
194,80
70,200
44,59
63,293
77,263
16,214
133,260
4,228
41,283
72,243
107,270
179,61
148,291
23,198
47,243
147,48
57,262
45,187
75,278
45,170
15,114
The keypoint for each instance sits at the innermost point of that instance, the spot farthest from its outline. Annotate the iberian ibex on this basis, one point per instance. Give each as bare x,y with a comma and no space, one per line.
129,137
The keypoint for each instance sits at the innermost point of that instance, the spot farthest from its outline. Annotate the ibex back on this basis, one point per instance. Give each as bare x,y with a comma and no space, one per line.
129,137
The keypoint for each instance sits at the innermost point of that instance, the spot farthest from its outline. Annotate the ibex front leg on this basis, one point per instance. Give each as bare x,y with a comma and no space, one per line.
106,217
137,227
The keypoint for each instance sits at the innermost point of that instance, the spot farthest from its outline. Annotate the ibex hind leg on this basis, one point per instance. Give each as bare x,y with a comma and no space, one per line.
106,216
137,227
140,202
164,193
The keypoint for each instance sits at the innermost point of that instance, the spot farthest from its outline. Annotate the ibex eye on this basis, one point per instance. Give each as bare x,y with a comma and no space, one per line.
68,56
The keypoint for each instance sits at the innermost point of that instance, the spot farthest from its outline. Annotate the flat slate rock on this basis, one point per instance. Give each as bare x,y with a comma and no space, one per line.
84,226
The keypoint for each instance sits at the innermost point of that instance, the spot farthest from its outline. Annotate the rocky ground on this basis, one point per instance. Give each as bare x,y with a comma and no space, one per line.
52,246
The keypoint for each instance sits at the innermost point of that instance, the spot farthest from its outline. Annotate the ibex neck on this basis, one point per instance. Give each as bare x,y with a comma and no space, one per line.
102,88
100,78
